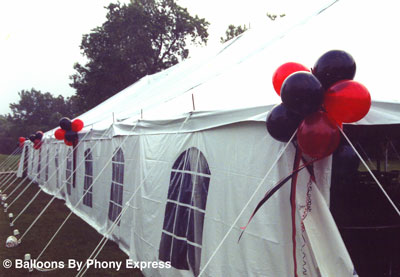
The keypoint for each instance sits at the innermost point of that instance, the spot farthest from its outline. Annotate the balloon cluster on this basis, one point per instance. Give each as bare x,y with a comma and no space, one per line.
21,141
69,130
35,138
315,103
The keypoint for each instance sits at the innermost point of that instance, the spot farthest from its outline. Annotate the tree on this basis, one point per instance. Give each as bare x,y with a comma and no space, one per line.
141,38
39,111
274,16
7,142
233,31
35,111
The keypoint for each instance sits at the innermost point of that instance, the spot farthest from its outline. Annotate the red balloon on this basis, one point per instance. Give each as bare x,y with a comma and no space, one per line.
318,135
76,125
68,143
347,101
37,144
21,139
282,72
59,134
338,123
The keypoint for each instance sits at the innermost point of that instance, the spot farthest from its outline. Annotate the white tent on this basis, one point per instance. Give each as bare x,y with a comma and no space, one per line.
187,152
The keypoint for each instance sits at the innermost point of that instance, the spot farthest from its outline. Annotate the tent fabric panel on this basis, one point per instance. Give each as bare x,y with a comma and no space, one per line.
235,168
231,184
380,113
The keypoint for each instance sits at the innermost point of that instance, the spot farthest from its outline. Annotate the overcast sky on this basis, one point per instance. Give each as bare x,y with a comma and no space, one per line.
39,40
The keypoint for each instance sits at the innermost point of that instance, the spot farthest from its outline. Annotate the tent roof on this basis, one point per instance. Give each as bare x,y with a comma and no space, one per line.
237,75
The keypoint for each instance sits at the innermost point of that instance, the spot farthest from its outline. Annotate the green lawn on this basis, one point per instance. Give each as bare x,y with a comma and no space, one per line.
10,164
76,239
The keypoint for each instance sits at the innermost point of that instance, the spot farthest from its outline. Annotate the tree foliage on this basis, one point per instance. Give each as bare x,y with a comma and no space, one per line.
141,38
40,109
273,17
35,111
233,31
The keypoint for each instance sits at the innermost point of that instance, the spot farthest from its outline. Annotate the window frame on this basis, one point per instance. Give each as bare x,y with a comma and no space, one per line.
68,171
181,241
46,173
88,179
117,185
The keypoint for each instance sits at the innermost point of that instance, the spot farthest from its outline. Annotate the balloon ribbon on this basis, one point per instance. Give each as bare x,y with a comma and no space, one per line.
296,164
296,169
271,192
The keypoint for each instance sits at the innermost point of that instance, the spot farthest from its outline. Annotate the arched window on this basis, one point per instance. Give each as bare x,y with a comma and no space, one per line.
32,160
47,164
26,160
56,158
39,163
74,153
68,171
182,233
87,188
117,184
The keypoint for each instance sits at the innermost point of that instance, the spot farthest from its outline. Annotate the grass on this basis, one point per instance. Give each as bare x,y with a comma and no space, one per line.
10,164
76,239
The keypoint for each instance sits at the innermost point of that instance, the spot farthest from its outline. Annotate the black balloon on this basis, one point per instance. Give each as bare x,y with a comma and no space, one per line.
282,123
334,66
65,123
71,136
32,137
302,93
39,135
